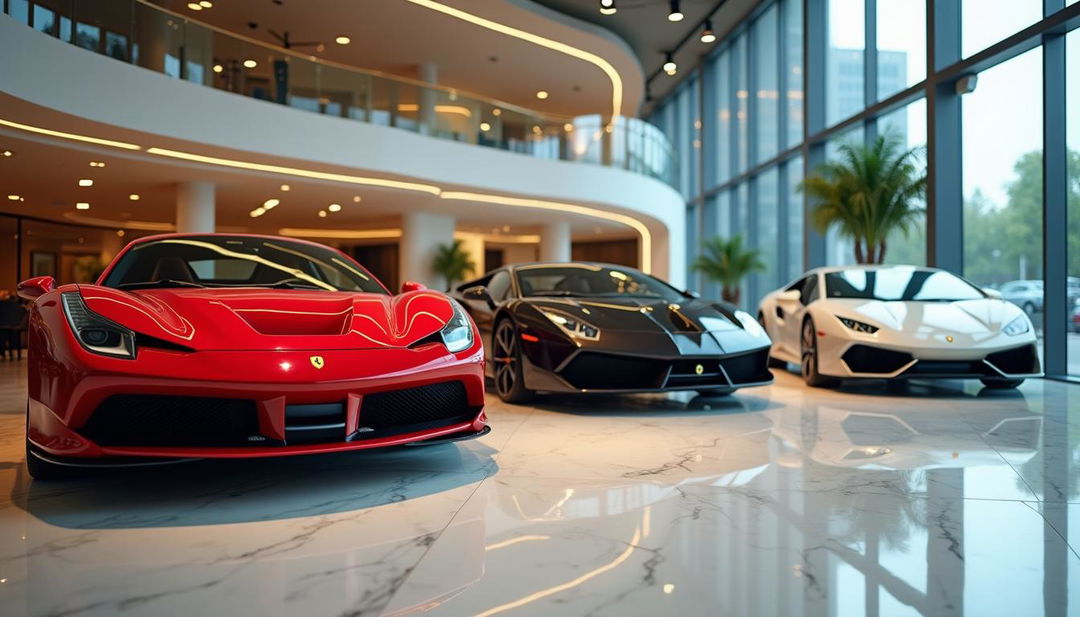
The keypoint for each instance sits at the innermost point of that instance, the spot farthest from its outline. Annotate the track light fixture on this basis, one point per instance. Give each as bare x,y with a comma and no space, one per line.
707,34
669,65
675,14
607,7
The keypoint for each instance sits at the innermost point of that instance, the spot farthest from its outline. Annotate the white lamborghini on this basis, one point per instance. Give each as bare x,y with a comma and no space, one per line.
898,322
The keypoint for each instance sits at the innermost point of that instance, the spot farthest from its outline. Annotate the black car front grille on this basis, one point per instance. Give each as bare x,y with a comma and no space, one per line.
318,423
948,368
1016,361
599,371
866,359
414,409
750,367
163,420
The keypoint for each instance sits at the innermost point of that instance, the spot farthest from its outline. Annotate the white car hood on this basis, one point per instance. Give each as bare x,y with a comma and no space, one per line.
972,317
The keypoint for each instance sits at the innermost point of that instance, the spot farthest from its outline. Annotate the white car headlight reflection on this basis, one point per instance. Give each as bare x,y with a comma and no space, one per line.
752,327
457,334
1017,326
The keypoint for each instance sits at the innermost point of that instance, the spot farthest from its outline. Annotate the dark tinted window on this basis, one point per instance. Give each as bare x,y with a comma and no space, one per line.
592,281
238,261
499,285
899,284
810,290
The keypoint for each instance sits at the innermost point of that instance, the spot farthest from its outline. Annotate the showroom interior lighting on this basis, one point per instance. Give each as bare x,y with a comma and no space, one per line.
134,197
542,94
97,163
343,40
270,204
82,205
206,4
285,188
707,34
607,7
675,13
195,6
334,207
14,198
569,50
218,68
85,182
72,136
250,64
669,65
7,153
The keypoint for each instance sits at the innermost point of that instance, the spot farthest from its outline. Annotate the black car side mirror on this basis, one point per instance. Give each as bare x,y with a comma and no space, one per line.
479,293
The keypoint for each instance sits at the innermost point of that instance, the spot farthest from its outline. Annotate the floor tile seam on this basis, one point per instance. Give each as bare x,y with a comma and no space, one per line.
1051,526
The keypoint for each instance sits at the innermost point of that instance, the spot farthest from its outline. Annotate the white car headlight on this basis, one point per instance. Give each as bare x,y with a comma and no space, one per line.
858,326
94,332
751,325
1017,326
457,334
575,327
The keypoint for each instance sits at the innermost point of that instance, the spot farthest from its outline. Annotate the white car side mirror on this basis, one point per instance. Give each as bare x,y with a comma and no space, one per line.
791,295
992,293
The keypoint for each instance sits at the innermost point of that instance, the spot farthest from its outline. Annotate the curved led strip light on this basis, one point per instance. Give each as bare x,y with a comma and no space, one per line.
540,204
602,64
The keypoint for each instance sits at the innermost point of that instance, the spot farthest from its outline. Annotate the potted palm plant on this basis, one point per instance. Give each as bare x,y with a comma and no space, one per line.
869,192
728,262
452,262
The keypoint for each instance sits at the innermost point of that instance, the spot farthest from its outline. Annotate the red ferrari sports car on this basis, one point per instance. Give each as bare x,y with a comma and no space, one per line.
215,345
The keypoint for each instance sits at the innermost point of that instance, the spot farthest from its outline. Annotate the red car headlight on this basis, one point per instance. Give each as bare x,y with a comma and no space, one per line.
96,333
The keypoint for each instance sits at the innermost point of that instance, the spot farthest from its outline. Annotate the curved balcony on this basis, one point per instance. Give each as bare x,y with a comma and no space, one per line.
145,35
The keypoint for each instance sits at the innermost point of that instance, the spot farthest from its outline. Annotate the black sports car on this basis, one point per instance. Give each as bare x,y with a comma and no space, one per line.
588,327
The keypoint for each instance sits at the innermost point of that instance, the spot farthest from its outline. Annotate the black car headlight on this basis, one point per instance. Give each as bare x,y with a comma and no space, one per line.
575,327
457,334
96,333
858,326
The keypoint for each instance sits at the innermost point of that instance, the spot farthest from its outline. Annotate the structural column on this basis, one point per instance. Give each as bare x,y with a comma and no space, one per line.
195,207
555,242
421,235
428,72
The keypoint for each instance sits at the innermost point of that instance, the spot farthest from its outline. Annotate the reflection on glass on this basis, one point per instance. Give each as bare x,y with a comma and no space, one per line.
985,22
767,234
793,71
767,96
845,93
742,102
1072,132
909,124
901,43
721,79
1002,157
794,219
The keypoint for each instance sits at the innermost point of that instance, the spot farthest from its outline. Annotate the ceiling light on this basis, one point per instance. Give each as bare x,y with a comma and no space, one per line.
675,14
484,126
195,6
257,212
322,214
285,188
72,136
82,205
496,112
607,7
707,34
343,40
86,182
134,197
97,163
542,94
206,4
120,232
218,68
334,207
569,128
270,204
14,197
250,64
7,153
669,65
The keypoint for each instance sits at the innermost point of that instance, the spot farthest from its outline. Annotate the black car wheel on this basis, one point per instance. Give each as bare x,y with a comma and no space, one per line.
506,355
809,366
773,362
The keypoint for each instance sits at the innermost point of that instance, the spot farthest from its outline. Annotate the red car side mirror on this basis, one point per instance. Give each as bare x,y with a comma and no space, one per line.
408,286
31,289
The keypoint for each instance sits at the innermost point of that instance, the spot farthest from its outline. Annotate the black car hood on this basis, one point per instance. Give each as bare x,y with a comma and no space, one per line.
635,314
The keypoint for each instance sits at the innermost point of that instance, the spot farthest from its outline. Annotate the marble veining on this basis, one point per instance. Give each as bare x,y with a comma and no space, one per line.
933,499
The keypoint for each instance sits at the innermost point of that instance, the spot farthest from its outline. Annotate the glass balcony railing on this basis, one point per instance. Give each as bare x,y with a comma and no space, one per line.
145,35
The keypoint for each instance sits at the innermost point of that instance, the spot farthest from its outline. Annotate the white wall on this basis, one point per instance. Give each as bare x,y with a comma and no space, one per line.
92,87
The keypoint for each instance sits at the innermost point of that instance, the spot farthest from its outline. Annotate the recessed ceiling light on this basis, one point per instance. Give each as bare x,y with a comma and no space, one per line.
484,126
14,197
120,232
86,182
334,207
257,212
343,40
134,197
322,214
356,199
82,205
675,14
250,64
496,112
285,188
195,6
7,153
542,94
568,127
218,68
206,4
97,163
270,204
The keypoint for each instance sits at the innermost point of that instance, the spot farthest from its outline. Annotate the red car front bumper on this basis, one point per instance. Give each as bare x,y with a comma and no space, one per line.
68,385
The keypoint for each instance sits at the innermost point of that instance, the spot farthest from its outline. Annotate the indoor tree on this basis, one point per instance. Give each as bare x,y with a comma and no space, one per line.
869,191
452,262
728,262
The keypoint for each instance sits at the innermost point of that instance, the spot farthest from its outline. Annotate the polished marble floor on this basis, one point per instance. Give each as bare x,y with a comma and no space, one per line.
930,500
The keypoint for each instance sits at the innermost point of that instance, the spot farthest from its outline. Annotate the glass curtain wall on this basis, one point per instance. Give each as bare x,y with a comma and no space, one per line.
795,79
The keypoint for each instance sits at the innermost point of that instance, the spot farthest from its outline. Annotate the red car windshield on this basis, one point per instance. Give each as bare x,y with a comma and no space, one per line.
237,261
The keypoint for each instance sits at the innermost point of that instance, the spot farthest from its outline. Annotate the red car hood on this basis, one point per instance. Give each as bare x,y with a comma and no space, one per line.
278,319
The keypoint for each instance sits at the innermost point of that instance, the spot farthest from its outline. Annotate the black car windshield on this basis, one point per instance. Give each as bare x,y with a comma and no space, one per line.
592,281
899,284
237,261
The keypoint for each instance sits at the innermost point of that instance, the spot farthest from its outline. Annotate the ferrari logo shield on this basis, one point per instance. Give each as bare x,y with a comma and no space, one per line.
317,361
699,369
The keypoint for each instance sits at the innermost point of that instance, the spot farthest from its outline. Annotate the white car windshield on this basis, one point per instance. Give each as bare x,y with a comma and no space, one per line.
900,284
